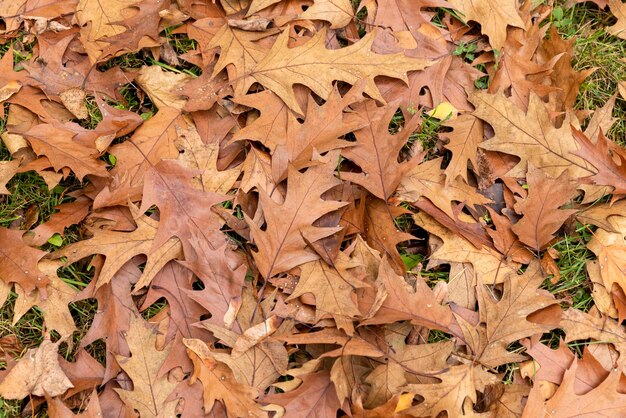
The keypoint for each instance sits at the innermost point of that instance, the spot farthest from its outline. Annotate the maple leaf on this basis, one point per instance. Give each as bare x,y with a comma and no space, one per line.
282,245
493,15
219,383
282,67
540,209
333,288
530,136
508,319
151,390
120,247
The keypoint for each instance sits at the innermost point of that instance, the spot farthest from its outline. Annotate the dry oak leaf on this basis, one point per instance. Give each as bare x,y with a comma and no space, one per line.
333,288
37,373
339,13
54,306
163,87
522,311
19,263
316,67
530,136
120,247
463,141
56,408
240,53
608,159
610,248
427,180
282,245
10,80
458,384
152,142
56,142
602,401
618,8
376,150
493,15
151,389
579,325
489,265
7,170
505,240
197,155
417,303
220,384
542,216
68,214
519,71
100,20
316,397
168,185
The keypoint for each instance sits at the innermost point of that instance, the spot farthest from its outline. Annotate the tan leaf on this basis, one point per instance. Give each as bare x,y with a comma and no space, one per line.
493,15
37,373
283,67
220,384
466,135
151,389
338,12
163,87
74,100
542,216
530,136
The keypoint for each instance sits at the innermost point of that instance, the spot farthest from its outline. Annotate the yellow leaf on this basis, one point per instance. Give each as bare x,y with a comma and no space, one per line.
444,111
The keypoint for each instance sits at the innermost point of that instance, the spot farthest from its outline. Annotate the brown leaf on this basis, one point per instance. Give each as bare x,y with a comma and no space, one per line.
282,245
510,318
68,214
219,383
466,135
319,67
494,16
608,160
542,215
19,262
38,373
151,390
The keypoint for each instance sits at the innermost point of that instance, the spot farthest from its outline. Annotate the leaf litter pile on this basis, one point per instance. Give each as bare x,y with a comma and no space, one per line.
304,208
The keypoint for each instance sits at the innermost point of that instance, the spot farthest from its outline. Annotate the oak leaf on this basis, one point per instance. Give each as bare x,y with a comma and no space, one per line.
38,373
610,248
493,15
19,263
282,67
120,247
282,245
542,216
376,151
463,141
68,214
338,13
530,136
608,160
458,383
333,288
619,11
509,319
427,180
220,384
151,390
